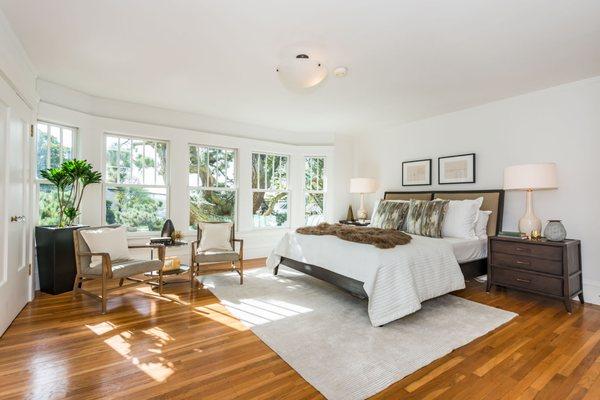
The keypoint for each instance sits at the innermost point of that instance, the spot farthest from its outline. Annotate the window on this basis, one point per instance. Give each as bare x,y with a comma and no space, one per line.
135,179
212,184
54,144
270,195
314,190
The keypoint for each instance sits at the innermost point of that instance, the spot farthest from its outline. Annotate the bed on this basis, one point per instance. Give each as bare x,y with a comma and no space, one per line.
385,276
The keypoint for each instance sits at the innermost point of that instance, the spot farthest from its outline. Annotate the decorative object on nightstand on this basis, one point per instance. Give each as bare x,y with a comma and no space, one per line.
555,231
362,186
544,267
530,177
350,214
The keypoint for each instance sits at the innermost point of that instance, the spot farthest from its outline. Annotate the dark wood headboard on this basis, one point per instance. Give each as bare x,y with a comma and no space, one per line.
493,200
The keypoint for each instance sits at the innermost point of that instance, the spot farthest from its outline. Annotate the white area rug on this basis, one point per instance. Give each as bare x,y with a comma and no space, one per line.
325,334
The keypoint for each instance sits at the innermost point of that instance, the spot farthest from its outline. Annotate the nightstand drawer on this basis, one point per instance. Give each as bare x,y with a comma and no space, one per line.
526,249
529,263
527,280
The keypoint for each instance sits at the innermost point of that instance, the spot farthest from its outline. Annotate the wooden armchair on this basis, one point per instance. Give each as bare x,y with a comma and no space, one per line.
113,269
204,261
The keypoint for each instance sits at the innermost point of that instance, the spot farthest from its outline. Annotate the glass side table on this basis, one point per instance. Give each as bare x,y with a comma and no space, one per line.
183,268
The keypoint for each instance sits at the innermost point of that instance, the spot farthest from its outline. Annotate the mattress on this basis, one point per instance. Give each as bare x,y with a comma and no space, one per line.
466,250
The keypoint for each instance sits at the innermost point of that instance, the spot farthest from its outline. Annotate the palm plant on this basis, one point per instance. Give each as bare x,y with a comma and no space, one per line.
71,179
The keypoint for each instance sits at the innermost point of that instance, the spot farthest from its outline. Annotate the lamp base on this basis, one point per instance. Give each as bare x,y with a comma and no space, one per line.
529,222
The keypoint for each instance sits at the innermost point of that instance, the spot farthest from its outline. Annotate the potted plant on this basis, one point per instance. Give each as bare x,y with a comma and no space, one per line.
54,244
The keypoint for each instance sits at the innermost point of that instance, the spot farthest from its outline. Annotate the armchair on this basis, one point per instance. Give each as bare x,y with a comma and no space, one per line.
113,269
205,261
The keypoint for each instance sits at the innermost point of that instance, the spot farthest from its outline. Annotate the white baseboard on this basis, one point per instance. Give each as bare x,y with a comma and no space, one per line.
591,291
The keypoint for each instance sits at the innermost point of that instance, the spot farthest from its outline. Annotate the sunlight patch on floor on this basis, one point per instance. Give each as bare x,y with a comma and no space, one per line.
254,312
218,313
158,368
101,328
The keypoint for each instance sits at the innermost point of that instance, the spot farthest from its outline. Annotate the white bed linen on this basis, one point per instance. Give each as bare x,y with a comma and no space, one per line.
468,249
396,280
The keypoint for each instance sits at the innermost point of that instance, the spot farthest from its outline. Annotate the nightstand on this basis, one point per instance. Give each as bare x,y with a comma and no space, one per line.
355,222
547,268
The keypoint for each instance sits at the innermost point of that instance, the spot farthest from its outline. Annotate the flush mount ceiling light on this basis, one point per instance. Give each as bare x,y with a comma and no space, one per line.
301,73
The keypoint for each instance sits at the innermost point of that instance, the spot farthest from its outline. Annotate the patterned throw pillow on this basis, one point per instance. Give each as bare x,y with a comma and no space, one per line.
425,218
389,215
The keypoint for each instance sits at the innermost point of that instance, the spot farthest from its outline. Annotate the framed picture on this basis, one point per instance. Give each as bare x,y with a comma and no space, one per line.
416,173
456,169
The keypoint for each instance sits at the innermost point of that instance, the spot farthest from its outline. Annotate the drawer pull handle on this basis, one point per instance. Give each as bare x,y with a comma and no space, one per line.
524,249
522,280
523,262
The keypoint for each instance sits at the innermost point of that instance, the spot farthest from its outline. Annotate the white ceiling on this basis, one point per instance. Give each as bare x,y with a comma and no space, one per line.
407,59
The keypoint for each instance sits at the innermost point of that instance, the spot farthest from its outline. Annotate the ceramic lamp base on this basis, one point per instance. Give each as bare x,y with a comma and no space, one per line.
529,222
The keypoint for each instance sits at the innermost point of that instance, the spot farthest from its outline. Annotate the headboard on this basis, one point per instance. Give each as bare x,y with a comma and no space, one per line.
493,200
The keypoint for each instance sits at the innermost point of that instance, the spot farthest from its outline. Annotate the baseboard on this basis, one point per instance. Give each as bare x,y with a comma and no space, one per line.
591,291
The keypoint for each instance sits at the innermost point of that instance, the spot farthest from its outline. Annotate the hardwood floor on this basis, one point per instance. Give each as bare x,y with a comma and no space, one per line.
187,346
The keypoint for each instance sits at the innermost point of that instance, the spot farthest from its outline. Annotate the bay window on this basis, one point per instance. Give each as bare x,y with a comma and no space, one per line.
135,183
54,144
314,190
212,184
270,194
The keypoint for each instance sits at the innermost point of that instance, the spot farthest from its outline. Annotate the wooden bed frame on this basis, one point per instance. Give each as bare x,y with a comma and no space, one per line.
493,201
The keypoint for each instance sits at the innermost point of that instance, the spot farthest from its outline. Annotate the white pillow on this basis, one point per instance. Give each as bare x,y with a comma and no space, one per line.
481,224
460,218
107,240
215,236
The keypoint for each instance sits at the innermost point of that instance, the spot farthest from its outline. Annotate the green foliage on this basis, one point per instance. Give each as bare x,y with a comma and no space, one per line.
70,181
135,208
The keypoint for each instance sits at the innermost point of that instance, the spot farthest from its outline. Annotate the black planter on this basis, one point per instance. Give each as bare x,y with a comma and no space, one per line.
55,258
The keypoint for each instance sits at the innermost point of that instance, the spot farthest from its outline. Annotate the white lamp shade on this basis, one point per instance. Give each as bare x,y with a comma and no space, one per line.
363,185
531,177
301,73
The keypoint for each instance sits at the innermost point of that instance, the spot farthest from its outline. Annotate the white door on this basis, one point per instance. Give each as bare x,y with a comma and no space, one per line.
14,225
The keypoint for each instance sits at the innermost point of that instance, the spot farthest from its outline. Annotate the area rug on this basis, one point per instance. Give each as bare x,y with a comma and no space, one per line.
325,334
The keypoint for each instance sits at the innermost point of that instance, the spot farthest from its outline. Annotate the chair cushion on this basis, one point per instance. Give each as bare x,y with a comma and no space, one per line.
216,256
215,236
127,268
107,240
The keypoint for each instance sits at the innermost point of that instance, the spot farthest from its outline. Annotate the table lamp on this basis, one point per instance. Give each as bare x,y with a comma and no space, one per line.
530,177
362,186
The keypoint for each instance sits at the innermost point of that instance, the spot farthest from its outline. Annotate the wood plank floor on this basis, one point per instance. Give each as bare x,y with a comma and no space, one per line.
187,346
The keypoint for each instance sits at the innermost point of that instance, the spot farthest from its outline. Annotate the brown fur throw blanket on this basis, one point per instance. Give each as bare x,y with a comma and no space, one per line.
381,238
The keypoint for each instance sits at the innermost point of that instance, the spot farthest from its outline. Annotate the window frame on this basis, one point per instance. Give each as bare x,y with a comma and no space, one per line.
323,191
236,181
288,223
41,181
106,184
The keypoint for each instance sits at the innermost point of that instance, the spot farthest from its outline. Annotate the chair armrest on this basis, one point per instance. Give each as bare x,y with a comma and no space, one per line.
241,242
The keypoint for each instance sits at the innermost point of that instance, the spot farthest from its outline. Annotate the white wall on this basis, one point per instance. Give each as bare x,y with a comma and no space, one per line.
258,243
560,124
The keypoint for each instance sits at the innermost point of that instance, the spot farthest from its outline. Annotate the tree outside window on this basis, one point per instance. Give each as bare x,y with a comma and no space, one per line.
212,184
314,190
270,194
54,144
136,191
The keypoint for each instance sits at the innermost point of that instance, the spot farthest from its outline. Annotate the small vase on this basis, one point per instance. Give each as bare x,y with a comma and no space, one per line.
555,231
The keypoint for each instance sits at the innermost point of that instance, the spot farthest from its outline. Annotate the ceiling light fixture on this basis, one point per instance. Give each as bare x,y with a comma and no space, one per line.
301,73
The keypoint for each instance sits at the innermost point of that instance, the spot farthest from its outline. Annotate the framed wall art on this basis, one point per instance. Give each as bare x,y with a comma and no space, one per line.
456,169
416,173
